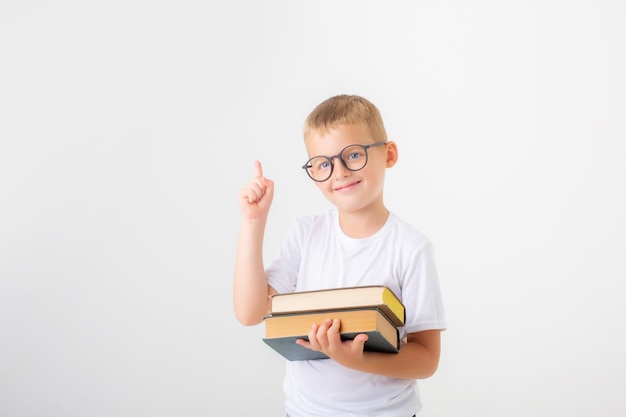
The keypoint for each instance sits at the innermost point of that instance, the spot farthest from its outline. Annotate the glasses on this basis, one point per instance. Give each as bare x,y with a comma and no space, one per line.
353,158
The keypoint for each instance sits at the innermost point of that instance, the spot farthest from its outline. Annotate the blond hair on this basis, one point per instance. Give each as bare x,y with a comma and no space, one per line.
346,109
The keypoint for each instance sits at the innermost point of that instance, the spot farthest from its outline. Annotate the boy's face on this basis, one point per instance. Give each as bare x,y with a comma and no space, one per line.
352,190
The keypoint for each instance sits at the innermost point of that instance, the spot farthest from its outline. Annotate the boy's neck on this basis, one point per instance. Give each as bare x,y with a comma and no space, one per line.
363,223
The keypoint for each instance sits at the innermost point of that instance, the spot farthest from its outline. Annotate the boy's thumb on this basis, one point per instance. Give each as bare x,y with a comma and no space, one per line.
269,187
360,340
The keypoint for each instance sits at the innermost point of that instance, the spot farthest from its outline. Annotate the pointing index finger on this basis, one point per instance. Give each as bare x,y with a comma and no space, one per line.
258,170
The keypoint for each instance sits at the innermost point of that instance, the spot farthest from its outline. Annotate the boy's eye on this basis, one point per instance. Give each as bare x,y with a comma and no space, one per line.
353,153
320,164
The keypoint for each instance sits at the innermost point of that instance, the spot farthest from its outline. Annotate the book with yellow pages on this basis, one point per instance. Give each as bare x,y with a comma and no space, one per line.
281,331
379,296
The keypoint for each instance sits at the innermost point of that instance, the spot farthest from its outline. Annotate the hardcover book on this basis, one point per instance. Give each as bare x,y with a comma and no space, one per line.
378,296
281,331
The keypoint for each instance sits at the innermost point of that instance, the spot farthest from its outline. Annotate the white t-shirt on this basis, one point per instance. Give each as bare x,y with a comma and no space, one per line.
316,254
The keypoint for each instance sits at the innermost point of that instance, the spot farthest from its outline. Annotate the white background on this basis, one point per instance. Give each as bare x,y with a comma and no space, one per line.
128,127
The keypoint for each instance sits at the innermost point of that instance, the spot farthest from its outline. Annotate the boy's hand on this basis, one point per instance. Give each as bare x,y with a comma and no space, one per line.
256,197
326,338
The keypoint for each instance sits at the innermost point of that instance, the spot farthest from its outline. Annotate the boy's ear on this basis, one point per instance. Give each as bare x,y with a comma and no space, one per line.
392,154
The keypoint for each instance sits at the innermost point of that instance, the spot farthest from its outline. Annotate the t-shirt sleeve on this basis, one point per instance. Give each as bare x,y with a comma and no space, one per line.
421,292
282,269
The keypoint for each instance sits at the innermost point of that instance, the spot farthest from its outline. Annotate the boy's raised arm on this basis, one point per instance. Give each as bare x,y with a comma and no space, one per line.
251,291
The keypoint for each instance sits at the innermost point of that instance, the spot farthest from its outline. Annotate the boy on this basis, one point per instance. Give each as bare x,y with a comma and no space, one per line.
359,242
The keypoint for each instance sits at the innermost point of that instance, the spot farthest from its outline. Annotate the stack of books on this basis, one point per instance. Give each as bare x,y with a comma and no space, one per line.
374,310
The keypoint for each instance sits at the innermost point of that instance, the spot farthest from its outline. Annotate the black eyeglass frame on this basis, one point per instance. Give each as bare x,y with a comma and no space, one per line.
330,159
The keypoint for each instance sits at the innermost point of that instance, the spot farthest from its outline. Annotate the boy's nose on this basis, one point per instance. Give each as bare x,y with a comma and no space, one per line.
339,167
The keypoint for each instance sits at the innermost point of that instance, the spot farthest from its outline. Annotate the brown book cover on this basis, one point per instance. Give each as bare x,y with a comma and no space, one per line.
378,296
281,331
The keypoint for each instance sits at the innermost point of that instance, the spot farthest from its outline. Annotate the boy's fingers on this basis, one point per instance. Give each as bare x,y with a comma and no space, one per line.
252,196
255,192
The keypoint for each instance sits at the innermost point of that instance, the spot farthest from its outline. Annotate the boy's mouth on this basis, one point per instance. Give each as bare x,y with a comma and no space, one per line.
347,187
